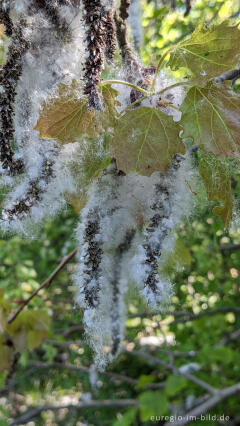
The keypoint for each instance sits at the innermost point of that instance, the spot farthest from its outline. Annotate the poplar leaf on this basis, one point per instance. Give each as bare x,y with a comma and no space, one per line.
67,117
217,182
209,51
210,116
145,141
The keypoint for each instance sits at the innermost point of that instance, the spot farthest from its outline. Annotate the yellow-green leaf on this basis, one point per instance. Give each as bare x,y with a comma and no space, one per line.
145,141
29,329
67,117
208,52
5,356
216,178
211,117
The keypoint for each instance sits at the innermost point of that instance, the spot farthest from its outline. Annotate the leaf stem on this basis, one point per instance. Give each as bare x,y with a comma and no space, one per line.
159,66
172,86
126,83
150,94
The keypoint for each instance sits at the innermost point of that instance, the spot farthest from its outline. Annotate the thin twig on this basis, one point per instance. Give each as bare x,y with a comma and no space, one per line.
45,284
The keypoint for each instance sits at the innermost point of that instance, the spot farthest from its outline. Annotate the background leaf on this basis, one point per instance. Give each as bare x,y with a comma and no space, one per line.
152,404
215,176
174,384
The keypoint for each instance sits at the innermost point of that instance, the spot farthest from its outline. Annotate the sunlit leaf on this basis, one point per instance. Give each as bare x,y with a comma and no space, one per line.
215,175
208,52
67,117
145,141
211,118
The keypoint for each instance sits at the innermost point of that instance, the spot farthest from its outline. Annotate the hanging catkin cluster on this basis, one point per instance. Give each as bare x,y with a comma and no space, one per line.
43,53
128,220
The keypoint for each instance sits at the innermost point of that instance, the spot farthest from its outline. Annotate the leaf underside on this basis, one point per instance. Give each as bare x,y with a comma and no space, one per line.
210,116
145,141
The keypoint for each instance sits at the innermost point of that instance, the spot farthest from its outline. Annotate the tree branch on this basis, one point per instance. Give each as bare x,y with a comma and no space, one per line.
174,369
82,369
45,284
206,406
188,5
229,247
100,404
182,317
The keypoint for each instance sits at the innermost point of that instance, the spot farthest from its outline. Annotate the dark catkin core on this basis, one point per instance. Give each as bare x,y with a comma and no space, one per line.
109,35
120,251
9,77
22,207
51,12
161,209
92,261
93,21
152,255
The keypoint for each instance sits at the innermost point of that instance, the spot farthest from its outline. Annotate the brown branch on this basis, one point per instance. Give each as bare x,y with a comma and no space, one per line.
229,247
45,284
206,406
100,404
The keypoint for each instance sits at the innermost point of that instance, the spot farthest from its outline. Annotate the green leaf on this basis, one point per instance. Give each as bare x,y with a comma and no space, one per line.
210,116
174,384
67,117
145,141
145,380
127,419
152,404
208,52
217,181
178,257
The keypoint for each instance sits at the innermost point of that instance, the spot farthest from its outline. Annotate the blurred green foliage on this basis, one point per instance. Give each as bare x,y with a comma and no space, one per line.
206,279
